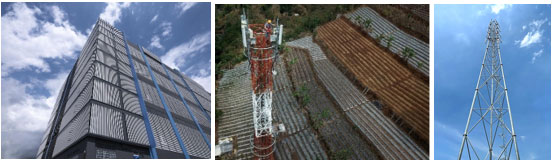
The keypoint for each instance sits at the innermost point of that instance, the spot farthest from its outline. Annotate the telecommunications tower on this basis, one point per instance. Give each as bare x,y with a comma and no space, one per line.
490,120
261,48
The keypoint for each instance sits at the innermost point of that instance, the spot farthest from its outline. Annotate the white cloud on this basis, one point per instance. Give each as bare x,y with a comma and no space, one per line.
155,42
203,79
523,27
177,56
58,15
530,38
166,27
25,116
185,6
27,41
112,13
154,18
535,33
498,7
536,55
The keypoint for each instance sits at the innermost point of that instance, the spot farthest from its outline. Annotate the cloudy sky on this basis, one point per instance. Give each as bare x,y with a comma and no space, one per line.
41,42
459,48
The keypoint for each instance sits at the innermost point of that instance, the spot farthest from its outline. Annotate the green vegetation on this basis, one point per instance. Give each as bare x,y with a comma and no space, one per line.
303,94
389,40
298,20
325,114
368,25
420,65
380,37
408,53
358,20
292,61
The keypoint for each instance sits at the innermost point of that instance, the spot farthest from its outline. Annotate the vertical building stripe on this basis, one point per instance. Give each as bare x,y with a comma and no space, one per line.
167,110
151,139
187,108
197,100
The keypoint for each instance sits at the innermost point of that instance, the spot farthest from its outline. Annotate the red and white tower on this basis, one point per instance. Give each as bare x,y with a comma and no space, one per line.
261,48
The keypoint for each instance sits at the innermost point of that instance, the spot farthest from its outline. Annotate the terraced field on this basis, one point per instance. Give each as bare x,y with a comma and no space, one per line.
299,141
342,139
379,130
402,92
234,100
401,40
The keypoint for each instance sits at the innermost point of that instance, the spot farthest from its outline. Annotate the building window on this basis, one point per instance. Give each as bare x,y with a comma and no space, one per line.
105,154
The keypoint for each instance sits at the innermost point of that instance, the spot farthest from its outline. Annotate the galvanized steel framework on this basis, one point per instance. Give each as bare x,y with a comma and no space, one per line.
490,115
261,48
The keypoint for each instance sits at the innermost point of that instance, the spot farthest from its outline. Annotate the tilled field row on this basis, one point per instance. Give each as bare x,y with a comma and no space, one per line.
233,98
299,136
336,132
387,138
406,95
402,40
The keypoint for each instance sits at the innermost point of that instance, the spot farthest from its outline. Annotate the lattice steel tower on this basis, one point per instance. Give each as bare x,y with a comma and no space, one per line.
261,48
490,115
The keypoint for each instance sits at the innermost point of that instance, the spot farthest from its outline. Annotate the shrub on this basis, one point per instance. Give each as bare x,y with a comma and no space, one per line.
389,39
407,53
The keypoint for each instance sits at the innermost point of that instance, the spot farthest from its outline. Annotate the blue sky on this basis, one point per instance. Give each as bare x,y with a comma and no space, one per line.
41,42
459,48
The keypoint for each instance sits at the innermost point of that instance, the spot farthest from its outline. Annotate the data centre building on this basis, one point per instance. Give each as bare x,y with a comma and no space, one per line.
121,101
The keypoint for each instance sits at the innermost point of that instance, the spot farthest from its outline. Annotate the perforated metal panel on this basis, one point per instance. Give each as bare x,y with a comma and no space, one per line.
194,142
155,65
206,103
74,131
106,122
176,106
196,87
76,89
163,133
106,93
72,109
175,76
135,52
106,48
201,119
141,69
164,82
106,73
150,94
136,130
128,83
131,103
125,69
122,57
186,94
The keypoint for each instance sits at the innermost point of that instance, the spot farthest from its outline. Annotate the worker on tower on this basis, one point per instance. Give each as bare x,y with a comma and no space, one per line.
268,28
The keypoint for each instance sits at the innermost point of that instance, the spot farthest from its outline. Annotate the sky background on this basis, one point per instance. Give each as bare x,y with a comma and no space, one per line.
460,32
42,41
